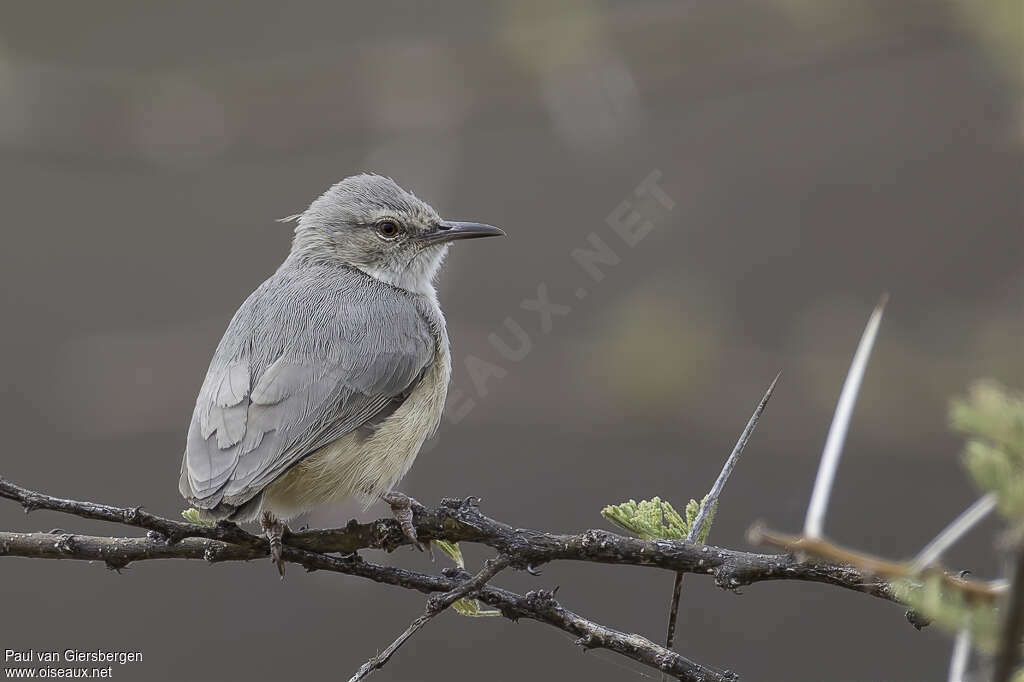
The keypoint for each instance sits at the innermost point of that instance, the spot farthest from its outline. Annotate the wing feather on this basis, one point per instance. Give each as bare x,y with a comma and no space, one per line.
233,386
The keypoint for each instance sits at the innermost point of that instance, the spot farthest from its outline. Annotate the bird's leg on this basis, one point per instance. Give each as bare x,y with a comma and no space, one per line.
274,529
402,506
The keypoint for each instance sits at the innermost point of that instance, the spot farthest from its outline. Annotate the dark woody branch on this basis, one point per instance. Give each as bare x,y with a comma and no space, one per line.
867,564
462,521
455,521
435,605
538,605
170,529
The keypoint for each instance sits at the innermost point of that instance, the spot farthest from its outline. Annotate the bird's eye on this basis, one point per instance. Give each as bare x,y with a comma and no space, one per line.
388,229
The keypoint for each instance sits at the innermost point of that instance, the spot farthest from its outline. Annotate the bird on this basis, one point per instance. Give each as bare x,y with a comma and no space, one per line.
334,371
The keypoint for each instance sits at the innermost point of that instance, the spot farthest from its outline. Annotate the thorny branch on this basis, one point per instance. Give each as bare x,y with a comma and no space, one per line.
454,521
435,605
871,565
201,542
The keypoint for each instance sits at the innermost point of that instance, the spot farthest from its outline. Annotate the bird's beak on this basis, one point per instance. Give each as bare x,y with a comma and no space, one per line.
450,230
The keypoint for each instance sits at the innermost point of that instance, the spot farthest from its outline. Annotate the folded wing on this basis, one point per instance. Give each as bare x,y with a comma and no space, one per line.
308,358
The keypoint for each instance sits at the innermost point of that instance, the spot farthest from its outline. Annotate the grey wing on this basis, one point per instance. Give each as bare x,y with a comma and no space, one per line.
254,420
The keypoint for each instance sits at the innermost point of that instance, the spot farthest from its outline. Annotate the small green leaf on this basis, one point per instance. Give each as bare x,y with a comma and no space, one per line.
692,509
951,610
993,419
192,516
673,521
472,608
465,607
653,519
452,550
702,535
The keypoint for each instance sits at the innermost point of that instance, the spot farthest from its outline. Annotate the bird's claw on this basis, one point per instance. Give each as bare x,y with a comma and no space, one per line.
402,508
274,529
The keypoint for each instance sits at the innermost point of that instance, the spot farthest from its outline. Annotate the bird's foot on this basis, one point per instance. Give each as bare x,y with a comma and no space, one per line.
274,529
402,507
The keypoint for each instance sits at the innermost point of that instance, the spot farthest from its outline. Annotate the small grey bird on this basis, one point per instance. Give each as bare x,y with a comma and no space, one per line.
334,371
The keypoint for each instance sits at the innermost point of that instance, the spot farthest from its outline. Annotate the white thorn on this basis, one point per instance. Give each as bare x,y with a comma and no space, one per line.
815,521
967,520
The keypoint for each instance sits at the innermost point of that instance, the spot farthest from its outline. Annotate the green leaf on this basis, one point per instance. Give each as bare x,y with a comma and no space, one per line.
656,519
702,535
692,509
465,607
452,550
993,419
951,610
473,609
192,516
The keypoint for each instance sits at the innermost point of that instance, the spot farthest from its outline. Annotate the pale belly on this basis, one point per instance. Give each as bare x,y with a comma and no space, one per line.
364,466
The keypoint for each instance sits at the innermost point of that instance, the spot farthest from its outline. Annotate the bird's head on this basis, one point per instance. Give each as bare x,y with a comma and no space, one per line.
370,223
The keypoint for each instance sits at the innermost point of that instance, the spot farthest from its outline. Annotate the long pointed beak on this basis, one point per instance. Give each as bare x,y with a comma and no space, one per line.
450,230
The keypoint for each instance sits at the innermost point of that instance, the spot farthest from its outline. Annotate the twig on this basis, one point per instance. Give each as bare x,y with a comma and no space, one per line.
871,565
815,520
538,605
931,552
954,531
435,605
711,501
1008,658
129,516
673,609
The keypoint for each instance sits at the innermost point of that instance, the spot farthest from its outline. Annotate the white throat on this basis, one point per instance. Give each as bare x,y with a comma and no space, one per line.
417,277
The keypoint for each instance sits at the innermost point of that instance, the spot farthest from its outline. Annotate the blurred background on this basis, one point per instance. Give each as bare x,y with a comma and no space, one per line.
815,154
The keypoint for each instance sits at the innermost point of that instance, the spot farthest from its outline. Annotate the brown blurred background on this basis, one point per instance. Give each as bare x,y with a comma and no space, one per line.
818,154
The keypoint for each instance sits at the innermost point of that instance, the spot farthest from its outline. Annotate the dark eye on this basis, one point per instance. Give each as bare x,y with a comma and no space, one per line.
388,229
